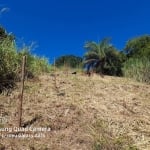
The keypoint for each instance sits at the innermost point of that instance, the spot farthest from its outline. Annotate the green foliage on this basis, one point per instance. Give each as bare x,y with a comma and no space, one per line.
96,50
137,65
8,61
8,56
114,62
138,47
11,61
138,69
69,60
35,64
103,57
95,56
4,35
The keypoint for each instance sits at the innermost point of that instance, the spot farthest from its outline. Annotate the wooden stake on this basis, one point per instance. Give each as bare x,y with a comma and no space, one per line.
21,93
54,65
55,76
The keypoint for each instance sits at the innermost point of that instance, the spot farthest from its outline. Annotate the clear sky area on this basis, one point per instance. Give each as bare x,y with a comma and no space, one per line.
61,27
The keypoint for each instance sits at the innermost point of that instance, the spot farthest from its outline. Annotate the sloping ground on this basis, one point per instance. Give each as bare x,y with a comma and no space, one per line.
83,113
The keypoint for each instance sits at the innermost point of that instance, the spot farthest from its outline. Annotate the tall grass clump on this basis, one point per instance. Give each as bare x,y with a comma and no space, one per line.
35,65
8,63
11,61
138,69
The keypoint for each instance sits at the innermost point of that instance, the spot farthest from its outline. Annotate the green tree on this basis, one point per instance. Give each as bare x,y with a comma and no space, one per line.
114,62
69,60
96,54
137,66
103,57
138,47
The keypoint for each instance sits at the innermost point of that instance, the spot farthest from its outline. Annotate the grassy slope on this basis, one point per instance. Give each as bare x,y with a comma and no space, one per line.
82,112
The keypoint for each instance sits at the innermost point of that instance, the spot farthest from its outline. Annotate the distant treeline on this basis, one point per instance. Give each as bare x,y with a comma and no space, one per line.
133,61
103,57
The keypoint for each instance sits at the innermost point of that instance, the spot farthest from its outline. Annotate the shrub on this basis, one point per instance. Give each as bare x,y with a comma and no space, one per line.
11,61
34,65
138,69
8,63
69,60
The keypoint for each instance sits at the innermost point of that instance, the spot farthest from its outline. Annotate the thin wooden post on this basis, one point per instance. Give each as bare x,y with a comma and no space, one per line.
21,93
54,65
55,75
66,68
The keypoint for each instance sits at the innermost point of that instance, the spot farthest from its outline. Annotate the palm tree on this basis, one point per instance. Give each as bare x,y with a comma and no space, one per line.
95,56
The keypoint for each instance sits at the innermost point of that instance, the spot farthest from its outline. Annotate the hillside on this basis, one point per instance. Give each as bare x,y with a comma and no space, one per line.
83,113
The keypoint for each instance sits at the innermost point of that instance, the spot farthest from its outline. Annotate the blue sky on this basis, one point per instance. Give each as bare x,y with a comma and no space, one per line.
62,27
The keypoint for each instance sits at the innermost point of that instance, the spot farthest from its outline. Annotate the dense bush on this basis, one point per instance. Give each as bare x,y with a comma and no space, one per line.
103,58
137,66
113,63
8,60
69,60
138,47
11,60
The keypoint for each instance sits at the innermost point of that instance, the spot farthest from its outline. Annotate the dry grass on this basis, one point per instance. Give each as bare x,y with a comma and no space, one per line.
84,113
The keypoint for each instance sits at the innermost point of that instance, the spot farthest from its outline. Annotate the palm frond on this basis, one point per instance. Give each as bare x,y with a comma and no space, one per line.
91,46
88,61
91,54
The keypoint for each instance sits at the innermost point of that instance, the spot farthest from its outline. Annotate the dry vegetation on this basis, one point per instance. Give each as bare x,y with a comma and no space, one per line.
84,113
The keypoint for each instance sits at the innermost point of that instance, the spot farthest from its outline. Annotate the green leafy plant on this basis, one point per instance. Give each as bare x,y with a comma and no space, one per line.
11,61
138,69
